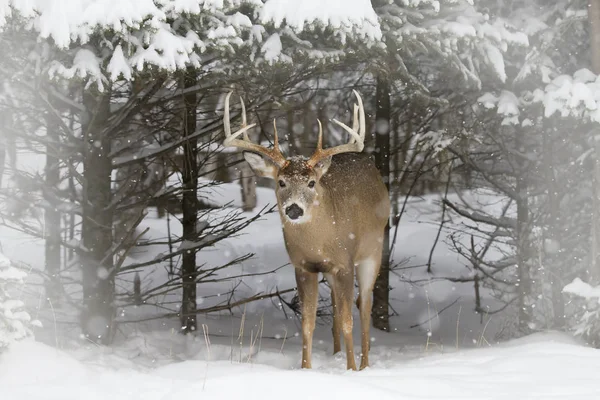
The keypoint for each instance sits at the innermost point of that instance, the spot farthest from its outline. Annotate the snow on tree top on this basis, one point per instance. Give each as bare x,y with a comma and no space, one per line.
142,34
573,96
582,289
8,273
68,21
507,105
347,16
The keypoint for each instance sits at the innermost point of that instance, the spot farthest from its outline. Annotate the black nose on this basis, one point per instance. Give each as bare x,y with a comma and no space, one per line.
294,211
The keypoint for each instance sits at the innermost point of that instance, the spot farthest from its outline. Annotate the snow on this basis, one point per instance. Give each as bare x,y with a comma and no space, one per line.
582,289
11,274
144,35
506,104
4,261
531,368
488,100
15,322
446,356
458,28
272,47
430,354
345,16
584,75
586,319
118,65
85,64
167,50
573,96
67,21
496,59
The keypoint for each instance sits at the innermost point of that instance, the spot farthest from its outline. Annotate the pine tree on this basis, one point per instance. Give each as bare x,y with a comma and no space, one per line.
15,321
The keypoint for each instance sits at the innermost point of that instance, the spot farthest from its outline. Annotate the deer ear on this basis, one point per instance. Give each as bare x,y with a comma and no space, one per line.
322,167
260,166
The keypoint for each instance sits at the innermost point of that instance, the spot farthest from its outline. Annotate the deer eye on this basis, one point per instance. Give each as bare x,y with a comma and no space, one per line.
311,184
281,183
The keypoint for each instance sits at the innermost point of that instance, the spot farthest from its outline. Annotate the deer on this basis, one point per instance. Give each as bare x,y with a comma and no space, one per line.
334,207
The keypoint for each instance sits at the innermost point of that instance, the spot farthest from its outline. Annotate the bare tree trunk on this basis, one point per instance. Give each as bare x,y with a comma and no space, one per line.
594,21
189,206
52,220
8,147
522,236
248,184
396,166
292,137
72,218
553,236
381,292
306,138
222,171
96,258
3,121
322,116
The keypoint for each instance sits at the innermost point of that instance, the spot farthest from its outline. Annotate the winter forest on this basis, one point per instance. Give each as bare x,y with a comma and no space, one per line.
389,198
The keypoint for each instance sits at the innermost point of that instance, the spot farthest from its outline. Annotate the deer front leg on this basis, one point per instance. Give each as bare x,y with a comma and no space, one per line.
336,329
367,271
344,292
308,291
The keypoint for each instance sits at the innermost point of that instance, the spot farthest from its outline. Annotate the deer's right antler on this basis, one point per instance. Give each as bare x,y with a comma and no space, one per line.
357,139
231,139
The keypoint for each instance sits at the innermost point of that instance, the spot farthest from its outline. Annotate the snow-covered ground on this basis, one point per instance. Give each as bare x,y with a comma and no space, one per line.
255,351
544,366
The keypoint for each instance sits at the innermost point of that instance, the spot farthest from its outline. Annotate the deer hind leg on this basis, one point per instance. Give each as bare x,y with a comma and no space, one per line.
308,291
366,272
344,292
336,329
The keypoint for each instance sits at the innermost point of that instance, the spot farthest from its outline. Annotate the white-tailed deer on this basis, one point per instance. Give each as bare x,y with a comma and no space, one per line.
334,208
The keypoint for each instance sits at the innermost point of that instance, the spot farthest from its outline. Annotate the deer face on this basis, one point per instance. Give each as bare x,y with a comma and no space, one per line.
297,184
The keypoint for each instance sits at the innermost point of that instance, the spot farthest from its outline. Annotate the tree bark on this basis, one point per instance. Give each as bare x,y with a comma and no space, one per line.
522,240
96,258
551,253
8,146
248,185
306,138
594,22
381,291
3,122
222,170
52,220
189,205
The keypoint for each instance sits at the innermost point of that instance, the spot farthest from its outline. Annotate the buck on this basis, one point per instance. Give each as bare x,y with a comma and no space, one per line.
334,207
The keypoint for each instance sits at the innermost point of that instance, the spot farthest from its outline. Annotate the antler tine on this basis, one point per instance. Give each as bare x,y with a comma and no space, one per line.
354,123
244,121
362,130
320,139
226,124
231,139
357,139
276,138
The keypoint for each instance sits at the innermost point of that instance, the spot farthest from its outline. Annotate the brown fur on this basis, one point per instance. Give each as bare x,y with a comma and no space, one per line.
346,213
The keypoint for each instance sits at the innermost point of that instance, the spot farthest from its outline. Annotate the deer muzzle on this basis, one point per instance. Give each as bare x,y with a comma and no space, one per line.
294,211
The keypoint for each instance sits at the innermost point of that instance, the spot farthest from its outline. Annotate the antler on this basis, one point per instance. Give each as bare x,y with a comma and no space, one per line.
357,139
231,139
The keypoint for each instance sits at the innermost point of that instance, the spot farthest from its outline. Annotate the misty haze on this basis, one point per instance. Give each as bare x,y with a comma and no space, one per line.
295,199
